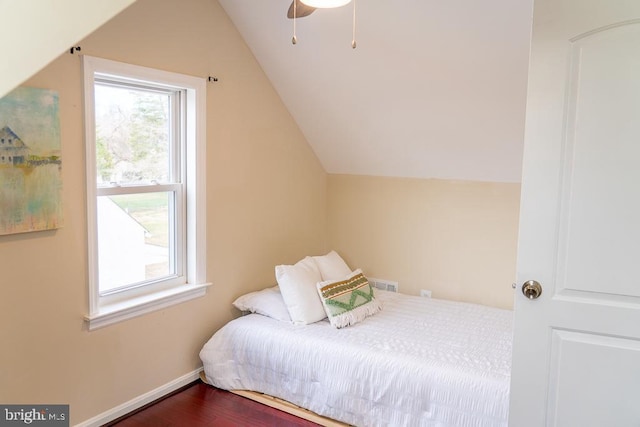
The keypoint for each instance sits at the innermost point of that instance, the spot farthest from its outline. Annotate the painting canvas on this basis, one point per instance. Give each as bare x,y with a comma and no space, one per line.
30,162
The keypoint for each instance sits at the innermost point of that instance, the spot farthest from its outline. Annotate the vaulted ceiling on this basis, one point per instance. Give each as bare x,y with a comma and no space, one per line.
52,29
434,89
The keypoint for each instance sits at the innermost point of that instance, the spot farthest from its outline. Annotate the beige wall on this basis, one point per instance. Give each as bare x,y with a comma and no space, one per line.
455,238
266,205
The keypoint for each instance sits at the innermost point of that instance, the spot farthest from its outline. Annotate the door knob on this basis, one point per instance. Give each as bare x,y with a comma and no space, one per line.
531,289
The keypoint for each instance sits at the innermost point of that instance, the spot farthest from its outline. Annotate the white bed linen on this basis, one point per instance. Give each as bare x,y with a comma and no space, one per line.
418,362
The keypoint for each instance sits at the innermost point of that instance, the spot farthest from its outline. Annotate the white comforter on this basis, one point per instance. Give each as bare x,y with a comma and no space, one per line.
418,362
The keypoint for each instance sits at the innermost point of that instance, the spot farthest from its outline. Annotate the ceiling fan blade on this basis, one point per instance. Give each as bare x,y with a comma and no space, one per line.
301,9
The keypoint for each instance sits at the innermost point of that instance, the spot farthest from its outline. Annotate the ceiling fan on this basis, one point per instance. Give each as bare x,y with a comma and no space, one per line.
302,8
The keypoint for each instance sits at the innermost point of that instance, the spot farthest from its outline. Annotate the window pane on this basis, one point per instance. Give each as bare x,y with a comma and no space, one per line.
134,239
132,135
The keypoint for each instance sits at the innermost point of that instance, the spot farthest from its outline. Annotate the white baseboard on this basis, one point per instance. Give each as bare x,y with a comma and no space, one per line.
140,401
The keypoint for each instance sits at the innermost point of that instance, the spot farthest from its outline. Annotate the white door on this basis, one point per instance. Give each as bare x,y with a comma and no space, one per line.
576,356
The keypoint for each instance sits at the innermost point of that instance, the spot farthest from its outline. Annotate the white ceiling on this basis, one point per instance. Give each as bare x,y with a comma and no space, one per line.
435,88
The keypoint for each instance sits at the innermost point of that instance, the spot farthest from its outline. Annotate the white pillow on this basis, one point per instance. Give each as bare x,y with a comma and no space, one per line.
298,287
267,302
332,266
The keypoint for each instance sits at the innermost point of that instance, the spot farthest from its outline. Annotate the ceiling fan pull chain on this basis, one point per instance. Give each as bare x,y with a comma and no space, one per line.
353,41
294,40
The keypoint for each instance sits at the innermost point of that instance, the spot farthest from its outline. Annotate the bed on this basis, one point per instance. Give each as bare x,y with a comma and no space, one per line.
415,362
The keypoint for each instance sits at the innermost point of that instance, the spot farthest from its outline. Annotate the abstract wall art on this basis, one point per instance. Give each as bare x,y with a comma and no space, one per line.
30,162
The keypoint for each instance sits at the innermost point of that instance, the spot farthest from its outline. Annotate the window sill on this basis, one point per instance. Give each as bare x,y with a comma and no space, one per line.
114,313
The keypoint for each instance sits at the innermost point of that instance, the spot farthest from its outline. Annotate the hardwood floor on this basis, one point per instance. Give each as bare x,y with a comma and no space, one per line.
200,404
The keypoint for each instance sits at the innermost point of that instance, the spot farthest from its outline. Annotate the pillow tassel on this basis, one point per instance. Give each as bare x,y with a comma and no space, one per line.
356,315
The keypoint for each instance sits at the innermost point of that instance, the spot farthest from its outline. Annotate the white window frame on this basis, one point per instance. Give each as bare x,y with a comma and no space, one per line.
190,282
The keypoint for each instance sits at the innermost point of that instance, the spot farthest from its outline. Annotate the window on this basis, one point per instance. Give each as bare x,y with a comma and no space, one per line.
145,151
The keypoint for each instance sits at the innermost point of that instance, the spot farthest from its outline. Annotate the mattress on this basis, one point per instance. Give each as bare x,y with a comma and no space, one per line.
418,362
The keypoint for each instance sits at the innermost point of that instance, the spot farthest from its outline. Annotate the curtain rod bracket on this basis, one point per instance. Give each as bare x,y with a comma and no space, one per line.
75,49
212,79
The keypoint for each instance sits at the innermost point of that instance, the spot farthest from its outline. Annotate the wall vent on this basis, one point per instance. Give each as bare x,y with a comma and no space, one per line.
385,285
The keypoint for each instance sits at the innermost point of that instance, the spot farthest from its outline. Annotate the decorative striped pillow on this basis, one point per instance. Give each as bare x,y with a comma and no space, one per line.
348,300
